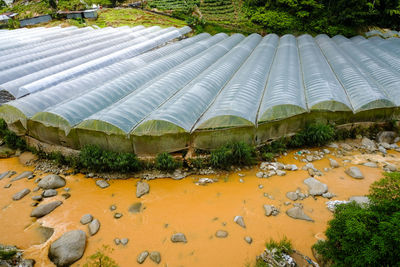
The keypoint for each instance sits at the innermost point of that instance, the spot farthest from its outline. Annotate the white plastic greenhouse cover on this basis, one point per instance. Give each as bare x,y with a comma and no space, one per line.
363,92
386,78
34,103
128,112
284,96
185,108
103,57
241,97
323,90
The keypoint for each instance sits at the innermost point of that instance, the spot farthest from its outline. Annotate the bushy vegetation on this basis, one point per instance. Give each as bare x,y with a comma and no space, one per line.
101,259
237,154
284,246
94,158
317,134
366,236
10,138
323,16
165,162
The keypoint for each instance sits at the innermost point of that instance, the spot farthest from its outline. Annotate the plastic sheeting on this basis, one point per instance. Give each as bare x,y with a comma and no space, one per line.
182,111
323,90
284,96
127,113
237,104
362,90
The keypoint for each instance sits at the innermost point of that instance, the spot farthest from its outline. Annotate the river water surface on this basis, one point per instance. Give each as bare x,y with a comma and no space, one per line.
179,206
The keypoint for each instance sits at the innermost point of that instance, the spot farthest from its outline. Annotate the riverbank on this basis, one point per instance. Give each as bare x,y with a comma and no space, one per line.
198,211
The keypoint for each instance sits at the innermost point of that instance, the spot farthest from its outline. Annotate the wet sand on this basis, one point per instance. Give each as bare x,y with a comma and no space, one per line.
179,206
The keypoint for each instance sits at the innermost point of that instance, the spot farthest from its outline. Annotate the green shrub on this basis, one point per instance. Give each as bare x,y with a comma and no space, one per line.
268,156
276,147
238,153
94,158
317,134
7,252
10,138
275,21
281,247
101,259
366,236
165,162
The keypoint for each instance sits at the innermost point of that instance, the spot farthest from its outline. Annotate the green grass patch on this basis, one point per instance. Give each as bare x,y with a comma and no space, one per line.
165,162
233,154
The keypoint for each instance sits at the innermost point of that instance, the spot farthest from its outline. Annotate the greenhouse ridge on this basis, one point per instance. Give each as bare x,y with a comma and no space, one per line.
131,89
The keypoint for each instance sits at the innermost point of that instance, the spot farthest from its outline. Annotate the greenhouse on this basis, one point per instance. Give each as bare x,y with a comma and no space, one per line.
150,90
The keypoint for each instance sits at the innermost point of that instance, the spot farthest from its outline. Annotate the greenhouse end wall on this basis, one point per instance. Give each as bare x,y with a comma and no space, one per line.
200,139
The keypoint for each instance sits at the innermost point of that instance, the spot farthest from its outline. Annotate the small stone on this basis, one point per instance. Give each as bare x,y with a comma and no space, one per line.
328,195
268,210
280,173
241,180
382,150
21,194
7,186
34,204
391,167
49,193
260,186
326,151
155,256
354,172
66,195
113,207
292,196
142,257
37,198
361,200
371,164
178,237
386,136
67,189
135,207
333,163
259,174
248,239
102,184
94,227
124,241
117,215
87,218
117,241
241,175
240,221
37,188
221,234
298,213
31,176
287,203
22,176
142,188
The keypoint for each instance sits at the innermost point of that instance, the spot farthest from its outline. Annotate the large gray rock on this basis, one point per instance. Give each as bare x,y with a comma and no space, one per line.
368,144
4,174
52,181
102,184
22,176
240,221
45,209
270,210
178,237
298,213
68,248
315,187
155,256
354,172
94,227
142,257
87,218
386,137
142,188
370,164
21,194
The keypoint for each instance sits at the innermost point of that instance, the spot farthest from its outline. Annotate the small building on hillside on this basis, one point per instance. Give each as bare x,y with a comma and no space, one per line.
35,20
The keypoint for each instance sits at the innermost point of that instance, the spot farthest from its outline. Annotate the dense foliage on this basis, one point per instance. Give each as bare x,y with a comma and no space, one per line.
94,158
10,138
165,162
284,246
366,236
237,153
323,16
317,134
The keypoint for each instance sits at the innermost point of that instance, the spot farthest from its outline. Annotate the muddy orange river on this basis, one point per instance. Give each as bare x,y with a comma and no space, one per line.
179,206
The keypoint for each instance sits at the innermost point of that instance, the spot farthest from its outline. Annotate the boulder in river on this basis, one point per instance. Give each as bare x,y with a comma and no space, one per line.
386,137
21,194
94,227
52,181
248,239
23,175
333,163
221,234
315,187
45,209
68,248
102,184
178,237
354,172
298,213
292,196
142,188
49,193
